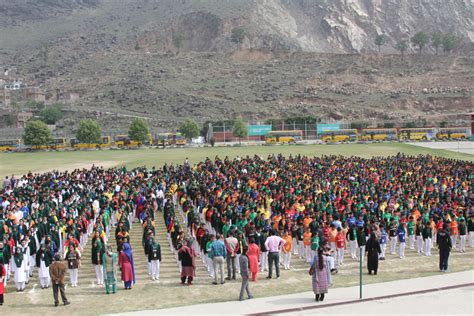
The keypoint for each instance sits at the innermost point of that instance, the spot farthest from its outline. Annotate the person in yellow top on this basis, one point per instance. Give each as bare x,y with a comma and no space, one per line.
307,244
286,250
266,214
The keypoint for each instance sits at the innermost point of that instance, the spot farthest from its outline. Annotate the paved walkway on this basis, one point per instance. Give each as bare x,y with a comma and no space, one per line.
466,147
428,290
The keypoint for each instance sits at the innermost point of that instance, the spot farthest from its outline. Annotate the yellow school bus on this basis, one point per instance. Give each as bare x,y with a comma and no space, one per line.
105,143
342,135
458,133
55,144
168,139
284,137
378,134
425,133
179,139
9,144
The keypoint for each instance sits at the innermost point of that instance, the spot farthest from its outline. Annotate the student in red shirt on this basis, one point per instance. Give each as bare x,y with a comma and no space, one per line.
340,246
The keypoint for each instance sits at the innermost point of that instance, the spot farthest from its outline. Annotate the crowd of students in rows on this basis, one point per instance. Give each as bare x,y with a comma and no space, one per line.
268,209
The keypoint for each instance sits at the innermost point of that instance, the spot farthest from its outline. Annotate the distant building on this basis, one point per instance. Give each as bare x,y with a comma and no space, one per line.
16,84
66,96
22,118
35,94
5,98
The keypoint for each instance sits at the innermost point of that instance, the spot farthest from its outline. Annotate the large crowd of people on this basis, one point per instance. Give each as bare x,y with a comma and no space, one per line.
247,212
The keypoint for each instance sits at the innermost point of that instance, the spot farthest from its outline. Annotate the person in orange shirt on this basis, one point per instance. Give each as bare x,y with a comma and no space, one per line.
276,221
454,232
332,238
286,250
306,221
307,244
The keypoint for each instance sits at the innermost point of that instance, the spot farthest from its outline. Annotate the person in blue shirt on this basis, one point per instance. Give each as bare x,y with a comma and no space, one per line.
360,221
401,239
219,254
383,242
351,220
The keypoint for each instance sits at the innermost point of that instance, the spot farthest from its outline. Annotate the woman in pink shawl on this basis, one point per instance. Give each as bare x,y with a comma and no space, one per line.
187,256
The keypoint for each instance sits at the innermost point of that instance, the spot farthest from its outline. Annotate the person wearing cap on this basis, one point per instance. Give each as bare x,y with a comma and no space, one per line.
57,271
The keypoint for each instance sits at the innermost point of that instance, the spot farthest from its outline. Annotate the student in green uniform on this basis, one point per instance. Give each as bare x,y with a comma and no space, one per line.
109,260
411,231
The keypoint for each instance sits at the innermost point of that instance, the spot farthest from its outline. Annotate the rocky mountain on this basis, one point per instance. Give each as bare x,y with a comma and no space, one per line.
213,59
343,26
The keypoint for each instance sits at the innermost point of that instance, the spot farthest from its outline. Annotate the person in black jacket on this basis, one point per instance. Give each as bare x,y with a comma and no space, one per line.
361,241
154,258
444,244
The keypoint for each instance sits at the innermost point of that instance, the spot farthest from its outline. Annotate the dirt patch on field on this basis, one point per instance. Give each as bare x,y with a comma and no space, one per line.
81,165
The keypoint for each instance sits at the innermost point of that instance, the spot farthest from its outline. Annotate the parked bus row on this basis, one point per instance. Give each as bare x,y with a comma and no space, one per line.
119,141
375,134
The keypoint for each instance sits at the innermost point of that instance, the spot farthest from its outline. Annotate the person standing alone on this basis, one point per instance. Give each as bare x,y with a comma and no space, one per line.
245,273
218,254
274,244
57,270
232,246
444,244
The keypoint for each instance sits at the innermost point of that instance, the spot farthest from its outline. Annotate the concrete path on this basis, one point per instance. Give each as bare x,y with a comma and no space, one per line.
421,293
466,147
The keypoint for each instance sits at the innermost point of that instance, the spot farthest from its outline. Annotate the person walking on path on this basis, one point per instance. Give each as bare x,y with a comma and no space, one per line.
244,273
219,254
57,270
274,244
444,244
320,276
373,251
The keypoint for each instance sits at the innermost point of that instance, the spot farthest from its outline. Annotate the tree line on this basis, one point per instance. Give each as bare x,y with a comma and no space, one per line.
37,132
447,41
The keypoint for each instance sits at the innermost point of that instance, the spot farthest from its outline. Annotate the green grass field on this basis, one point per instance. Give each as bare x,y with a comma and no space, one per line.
20,163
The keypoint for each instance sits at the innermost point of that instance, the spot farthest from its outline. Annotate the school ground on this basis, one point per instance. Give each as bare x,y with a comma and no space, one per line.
446,293
20,163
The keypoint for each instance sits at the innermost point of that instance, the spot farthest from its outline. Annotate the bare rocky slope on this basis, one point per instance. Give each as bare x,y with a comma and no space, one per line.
169,59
